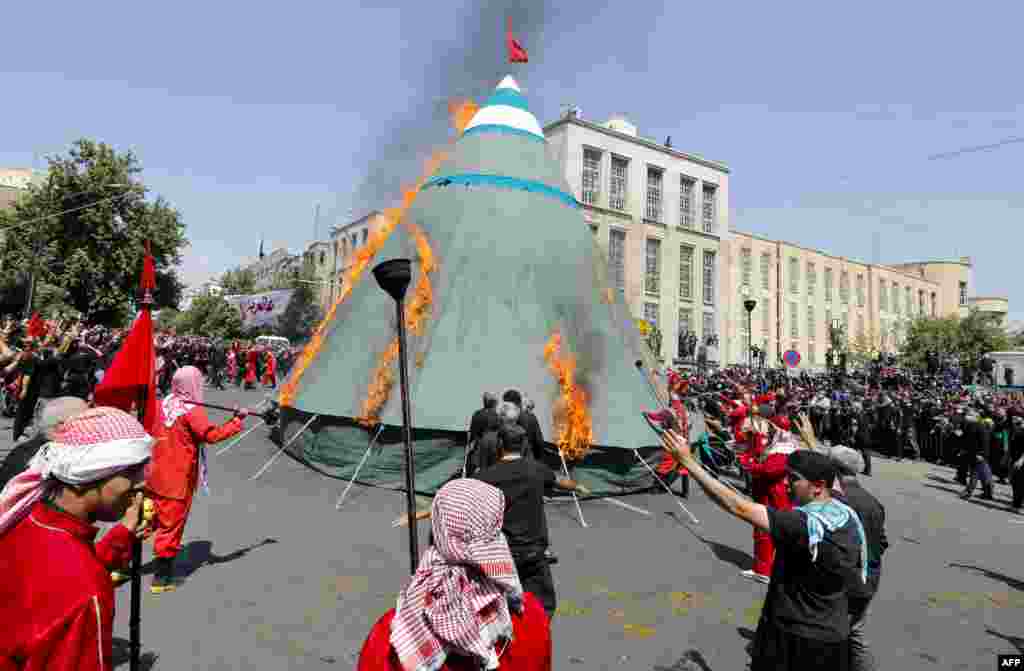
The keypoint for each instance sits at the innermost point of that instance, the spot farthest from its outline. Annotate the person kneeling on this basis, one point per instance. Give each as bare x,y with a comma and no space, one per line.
464,608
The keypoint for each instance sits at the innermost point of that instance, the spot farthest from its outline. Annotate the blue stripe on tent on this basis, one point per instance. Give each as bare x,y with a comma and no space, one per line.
508,97
498,128
473,179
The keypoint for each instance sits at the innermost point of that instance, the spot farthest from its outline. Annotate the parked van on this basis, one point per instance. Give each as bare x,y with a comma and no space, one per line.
273,342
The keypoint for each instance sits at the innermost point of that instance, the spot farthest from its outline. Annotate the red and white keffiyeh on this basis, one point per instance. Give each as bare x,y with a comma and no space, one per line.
186,390
87,448
457,601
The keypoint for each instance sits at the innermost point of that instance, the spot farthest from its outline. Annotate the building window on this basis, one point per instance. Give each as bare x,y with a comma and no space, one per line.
812,328
765,317
366,234
619,183
794,275
794,321
935,305
709,278
685,320
894,296
845,319
828,285
709,324
685,272
860,291
708,205
323,256
860,325
812,279
909,301
652,268
746,266
653,212
617,258
920,303
591,175
883,296
828,323
844,287
685,202
651,314
744,331
963,293
766,271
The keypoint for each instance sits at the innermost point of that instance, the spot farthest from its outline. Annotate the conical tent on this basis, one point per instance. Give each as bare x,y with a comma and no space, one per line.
511,268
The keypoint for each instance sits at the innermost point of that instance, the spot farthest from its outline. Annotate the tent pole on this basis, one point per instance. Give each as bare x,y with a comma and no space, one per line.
373,441
236,441
667,488
283,448
579,510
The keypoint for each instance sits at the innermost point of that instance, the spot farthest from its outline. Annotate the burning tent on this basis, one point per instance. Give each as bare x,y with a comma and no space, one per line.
509,290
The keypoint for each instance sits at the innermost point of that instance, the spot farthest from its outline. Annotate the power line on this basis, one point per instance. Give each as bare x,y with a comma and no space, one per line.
977,148
63,212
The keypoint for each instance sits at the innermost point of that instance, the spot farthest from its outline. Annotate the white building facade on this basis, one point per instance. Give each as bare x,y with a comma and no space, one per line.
662,218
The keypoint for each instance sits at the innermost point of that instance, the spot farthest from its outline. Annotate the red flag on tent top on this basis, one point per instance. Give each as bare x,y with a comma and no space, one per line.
36,327
516,52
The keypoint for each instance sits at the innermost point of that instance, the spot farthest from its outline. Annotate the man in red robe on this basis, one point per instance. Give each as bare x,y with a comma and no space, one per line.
270,371
250,367
179,465
56,597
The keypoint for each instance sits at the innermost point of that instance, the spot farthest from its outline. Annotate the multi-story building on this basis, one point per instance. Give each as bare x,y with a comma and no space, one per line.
662,218
346,239
799,292
319,258
271,265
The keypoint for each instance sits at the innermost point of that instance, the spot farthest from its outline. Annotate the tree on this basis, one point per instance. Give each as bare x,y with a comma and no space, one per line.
238,281
303,312
966,338
84,230
210,316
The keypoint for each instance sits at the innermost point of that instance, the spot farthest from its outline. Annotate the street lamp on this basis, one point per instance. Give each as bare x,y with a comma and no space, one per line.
393,277
749,304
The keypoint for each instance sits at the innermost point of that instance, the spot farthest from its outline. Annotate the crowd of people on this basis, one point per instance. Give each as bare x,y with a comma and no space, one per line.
42,360
780,453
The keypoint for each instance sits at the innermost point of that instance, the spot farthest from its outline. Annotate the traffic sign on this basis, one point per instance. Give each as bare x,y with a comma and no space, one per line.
792,358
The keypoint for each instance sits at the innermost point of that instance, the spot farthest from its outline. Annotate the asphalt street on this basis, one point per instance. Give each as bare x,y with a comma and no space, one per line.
281,579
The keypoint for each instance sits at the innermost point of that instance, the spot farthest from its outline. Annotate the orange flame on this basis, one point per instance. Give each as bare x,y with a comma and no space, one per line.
462,112
570,413
416,312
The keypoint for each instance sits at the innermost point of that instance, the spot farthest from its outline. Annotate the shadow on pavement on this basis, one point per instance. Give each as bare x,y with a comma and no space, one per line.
197,554
691,660
1015,641
121,655
992,575
725,553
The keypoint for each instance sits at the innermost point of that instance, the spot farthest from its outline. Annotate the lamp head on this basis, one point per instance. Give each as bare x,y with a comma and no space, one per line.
394,276
750,304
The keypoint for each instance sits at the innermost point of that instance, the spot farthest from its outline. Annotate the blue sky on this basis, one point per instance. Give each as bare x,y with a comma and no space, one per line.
246,116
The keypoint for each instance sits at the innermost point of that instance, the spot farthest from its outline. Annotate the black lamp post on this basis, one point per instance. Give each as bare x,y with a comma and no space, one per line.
393,277
749,305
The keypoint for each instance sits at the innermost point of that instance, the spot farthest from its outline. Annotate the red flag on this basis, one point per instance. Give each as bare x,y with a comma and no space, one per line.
516,52
36,327
132,373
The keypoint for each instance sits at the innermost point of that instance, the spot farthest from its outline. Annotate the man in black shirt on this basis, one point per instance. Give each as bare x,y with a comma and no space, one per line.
523,482
872,516
805,622
485,422
528,421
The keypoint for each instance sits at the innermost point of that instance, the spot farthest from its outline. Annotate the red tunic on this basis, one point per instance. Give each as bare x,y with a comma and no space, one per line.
250,366
530,649
172,470
56,598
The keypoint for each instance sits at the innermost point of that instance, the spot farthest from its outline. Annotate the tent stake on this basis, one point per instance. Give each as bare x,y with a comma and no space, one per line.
283,448
579,510
373,441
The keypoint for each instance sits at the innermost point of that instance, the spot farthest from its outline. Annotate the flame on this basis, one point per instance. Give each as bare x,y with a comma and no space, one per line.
416,312
570,413
462,112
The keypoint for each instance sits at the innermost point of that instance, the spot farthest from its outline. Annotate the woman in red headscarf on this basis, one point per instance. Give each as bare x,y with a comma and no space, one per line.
464,609
270,370
250,367
179,465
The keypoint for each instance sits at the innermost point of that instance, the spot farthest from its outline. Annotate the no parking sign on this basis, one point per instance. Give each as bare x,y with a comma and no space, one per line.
792,358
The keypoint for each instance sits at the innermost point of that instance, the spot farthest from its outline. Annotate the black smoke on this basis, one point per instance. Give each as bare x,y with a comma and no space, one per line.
468,66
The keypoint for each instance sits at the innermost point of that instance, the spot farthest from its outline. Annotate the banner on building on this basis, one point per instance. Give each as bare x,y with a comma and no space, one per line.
261,309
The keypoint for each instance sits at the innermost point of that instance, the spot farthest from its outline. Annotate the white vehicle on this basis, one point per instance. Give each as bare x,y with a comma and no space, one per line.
273,342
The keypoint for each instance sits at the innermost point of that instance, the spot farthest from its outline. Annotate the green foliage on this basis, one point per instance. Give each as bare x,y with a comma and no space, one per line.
209,316
238,281
969,337
303,312
93,251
